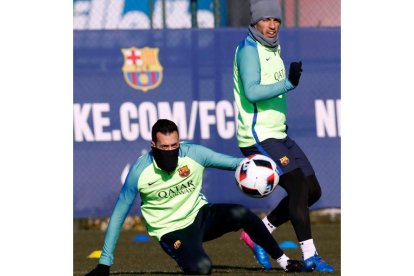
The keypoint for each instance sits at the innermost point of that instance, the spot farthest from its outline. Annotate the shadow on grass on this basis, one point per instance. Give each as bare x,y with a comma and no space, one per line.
232,269
215,269
146,273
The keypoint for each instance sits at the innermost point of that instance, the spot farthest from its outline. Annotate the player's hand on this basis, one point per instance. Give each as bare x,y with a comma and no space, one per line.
295,266
99,270
295,71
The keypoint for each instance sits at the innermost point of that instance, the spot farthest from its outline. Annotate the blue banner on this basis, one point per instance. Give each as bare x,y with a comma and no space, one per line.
125,80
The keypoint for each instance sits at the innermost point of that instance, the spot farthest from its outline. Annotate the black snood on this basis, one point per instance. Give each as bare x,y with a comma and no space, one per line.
166,160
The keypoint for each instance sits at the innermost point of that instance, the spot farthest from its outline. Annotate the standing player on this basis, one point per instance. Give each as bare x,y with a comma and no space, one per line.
176,213
260,88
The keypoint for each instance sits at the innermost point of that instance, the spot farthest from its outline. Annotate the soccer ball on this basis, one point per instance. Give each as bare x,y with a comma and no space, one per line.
256,176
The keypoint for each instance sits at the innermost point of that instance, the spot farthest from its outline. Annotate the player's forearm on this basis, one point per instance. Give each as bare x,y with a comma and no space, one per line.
255,92
112,233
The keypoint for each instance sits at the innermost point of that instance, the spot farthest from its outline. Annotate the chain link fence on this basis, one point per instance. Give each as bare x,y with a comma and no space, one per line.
181,14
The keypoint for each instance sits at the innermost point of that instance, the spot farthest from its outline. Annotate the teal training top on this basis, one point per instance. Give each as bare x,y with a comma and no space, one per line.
259,89
169,202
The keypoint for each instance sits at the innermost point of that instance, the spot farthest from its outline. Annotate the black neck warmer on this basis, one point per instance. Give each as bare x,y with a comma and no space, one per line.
166,160
264,40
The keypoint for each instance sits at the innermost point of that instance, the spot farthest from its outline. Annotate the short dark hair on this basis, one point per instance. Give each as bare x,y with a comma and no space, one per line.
164,126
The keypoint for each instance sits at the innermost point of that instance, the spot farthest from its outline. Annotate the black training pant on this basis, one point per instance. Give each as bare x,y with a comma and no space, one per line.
185,246
298,180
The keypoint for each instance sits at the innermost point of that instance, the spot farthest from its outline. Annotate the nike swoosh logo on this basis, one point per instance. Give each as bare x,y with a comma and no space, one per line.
267,59
149,184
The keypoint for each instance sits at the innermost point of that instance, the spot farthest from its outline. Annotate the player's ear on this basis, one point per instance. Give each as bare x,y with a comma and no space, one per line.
152,144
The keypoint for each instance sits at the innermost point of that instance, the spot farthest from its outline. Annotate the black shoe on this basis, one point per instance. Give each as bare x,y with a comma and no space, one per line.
295,266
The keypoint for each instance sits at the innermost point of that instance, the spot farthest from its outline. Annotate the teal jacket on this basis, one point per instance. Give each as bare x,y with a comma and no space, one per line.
259,89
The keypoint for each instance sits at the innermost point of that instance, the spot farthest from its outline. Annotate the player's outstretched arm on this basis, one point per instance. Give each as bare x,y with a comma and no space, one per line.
211,159
124,203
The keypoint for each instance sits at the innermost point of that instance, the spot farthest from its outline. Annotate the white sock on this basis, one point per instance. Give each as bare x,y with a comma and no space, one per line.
269,226
308,248
282,261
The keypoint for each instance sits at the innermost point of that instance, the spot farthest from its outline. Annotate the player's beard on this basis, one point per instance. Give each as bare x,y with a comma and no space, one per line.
166,160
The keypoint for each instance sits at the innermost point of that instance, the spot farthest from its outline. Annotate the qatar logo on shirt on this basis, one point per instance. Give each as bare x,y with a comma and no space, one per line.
142,69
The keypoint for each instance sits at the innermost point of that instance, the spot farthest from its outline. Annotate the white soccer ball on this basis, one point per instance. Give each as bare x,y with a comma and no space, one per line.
256,176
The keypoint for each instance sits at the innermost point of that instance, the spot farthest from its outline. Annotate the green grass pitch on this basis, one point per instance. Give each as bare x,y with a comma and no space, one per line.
229,255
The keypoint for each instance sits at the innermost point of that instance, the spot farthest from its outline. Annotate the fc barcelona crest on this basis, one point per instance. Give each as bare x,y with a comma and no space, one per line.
184,171
142,69
284,160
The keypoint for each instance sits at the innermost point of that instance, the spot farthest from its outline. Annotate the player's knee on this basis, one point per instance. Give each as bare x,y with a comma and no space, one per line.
315,191
203,266
315,195
240,212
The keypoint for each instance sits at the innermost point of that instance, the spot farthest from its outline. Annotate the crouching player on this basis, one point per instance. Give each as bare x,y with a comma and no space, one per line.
169,181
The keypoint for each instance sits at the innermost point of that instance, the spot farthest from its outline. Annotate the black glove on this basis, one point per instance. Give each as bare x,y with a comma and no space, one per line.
295,70
295,266
99,270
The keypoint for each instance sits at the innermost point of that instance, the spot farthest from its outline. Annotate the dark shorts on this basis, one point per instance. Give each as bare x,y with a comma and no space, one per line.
285,152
